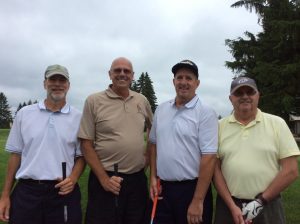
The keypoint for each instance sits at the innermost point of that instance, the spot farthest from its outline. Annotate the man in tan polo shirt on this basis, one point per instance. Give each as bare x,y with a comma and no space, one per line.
112,132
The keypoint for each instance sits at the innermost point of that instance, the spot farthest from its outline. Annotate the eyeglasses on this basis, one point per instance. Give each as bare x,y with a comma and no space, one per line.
239,93
119,71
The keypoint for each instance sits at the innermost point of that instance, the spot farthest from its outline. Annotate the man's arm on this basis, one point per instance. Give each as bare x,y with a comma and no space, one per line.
12,167
223,191
147,150
286,176
112,184
153,172
206,170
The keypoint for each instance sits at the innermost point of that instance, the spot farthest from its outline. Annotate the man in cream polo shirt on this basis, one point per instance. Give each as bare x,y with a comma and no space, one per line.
43,136
257,161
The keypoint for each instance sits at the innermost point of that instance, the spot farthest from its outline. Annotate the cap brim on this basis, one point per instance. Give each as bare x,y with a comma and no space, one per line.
56,73
239,86
179,66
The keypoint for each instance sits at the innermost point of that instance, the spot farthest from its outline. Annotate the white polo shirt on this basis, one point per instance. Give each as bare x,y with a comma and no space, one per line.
45,139
181,136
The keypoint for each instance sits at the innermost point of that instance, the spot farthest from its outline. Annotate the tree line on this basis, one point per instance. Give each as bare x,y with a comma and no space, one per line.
271,57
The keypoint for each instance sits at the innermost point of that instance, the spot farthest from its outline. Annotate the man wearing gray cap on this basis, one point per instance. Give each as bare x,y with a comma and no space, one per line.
42,138
183,146
257,160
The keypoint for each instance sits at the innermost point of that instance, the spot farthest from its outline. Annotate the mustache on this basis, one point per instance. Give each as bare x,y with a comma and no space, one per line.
122,78
245,101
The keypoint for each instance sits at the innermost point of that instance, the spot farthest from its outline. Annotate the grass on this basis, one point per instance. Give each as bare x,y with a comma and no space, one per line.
291,196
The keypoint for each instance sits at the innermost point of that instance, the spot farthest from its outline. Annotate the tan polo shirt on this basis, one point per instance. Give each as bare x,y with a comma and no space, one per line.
117,127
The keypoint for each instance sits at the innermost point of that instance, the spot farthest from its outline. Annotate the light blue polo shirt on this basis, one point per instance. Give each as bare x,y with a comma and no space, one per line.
181,136
45,139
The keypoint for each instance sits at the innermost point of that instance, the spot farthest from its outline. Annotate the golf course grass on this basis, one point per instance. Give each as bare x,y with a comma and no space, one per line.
291,196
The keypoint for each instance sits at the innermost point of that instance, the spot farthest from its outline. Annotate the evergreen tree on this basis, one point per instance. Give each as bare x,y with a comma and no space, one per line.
24,104
148,91
19,107
133,86
5,113
140,85
272,57
144,85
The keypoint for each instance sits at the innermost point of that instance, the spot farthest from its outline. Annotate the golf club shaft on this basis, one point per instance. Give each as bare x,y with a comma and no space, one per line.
64,174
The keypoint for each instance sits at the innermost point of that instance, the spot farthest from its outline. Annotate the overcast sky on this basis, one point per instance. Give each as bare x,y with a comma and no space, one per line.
85,36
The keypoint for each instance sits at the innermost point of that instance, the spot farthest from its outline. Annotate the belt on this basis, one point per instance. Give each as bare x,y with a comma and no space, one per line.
125,175
32,181
241,200
179,182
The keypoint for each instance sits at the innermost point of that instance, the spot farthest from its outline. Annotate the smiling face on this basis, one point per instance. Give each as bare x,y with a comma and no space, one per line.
185,83
57,87
245,101
121,74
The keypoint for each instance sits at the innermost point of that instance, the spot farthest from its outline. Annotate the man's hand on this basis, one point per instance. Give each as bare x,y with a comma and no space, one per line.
252,209
112,184
4,208
195,211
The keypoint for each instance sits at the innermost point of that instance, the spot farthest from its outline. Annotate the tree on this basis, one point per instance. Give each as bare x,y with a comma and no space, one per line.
148,91
272,57
5,113
24,104
144,85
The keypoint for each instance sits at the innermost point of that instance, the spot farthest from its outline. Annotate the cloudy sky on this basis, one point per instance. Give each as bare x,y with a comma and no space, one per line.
85,36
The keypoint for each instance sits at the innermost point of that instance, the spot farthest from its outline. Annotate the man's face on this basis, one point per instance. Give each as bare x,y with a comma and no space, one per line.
185,83
244,100
121,73
57,87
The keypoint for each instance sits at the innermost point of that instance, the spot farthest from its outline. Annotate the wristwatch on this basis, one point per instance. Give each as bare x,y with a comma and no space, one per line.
261,199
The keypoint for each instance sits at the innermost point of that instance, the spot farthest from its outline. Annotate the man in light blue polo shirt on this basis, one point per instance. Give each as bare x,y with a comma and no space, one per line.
43,137
183,146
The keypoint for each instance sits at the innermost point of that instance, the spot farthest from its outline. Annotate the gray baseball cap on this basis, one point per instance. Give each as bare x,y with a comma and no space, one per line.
56,70
242,81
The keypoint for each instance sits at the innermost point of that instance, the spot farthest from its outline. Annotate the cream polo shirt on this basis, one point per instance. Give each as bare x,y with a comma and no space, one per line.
117,128
250,154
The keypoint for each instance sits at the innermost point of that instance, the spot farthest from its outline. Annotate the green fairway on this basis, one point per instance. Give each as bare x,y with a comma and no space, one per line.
291,196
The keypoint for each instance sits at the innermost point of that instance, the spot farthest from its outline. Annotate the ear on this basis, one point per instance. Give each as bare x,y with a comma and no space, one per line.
230,98
69,84
174,81
109,74
198,83
45,86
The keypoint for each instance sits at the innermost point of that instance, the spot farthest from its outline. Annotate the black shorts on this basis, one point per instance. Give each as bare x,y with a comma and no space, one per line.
176,198
131,203
40,203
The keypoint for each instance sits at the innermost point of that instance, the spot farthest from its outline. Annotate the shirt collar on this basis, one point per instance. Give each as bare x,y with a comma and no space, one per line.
257,119
110,93
191,104
65,110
